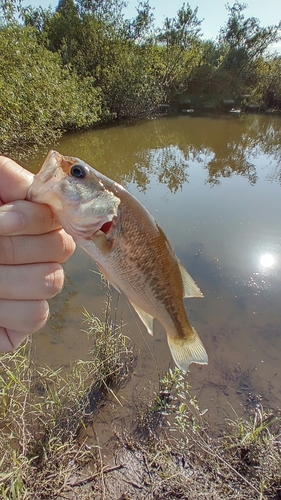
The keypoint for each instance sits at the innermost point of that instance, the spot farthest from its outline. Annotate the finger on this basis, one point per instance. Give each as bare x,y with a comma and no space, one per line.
25,217
25,316
10,339
15,181
31,281
56,246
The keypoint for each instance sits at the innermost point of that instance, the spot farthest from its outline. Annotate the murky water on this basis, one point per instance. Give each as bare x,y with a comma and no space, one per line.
214,185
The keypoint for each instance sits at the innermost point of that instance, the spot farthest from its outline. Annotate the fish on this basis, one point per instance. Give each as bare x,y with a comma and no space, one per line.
128,246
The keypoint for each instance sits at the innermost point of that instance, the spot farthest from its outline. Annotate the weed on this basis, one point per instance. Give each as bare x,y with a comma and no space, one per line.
184,460
169,453
42,411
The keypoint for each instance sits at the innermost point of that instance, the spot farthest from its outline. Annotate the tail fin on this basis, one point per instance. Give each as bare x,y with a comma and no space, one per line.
187,351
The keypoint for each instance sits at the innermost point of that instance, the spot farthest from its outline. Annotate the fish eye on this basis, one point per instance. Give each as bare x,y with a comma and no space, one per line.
78,171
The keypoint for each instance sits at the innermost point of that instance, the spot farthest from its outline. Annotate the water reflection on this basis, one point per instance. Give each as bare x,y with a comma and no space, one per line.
170,166
213,184
267,260
165,148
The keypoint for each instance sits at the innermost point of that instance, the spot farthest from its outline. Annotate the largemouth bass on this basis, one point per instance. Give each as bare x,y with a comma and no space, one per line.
127,244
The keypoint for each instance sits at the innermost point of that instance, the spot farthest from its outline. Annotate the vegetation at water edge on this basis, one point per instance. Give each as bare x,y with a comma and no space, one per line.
166,451
85,64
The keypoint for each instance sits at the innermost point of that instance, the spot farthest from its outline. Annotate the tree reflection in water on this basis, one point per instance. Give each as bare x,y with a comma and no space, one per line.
228,238
224,145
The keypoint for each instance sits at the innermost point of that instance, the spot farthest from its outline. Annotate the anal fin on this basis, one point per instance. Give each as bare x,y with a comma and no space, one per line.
190,287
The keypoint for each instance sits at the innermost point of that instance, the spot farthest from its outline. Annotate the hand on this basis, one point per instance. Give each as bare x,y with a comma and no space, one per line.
32,244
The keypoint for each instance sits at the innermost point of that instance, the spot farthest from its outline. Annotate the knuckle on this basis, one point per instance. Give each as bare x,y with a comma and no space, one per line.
38,315
67,247
4,281
54,280
30,317
8,249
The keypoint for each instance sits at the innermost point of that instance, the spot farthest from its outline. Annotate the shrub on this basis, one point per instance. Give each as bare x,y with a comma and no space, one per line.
39,98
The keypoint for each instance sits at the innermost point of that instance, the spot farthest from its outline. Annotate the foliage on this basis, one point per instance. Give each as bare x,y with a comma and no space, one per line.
175,399
109,11
39,97
244,42
87,64
269,81
180,50
180,30
129,84
246,35
140,29
120,68
10,10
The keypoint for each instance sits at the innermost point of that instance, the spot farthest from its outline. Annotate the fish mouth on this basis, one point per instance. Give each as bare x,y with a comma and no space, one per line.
105,238
105,228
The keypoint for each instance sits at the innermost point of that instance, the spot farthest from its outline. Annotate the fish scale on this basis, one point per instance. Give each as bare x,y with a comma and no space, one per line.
126,243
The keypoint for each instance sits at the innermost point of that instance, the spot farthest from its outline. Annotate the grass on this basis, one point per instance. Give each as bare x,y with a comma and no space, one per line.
167,452
42,412
186,462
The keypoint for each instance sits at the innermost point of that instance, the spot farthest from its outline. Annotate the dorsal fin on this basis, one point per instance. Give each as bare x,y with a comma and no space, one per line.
189,285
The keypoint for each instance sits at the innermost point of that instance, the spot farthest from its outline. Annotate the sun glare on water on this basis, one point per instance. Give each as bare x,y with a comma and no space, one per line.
267,260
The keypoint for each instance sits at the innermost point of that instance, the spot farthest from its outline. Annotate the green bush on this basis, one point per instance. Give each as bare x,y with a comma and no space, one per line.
39,98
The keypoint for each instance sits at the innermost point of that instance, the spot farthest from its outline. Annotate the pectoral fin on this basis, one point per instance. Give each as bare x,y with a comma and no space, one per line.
146,318
190,287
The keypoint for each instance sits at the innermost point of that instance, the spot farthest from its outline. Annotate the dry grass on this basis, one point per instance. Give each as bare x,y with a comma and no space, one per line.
42,410
183,461
168,452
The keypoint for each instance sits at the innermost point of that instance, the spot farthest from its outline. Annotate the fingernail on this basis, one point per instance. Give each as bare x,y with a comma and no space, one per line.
10,221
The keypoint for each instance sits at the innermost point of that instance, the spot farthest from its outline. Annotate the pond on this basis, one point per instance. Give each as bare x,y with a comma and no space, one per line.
214,186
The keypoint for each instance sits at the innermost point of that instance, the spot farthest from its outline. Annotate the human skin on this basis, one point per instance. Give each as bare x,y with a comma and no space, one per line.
32,247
